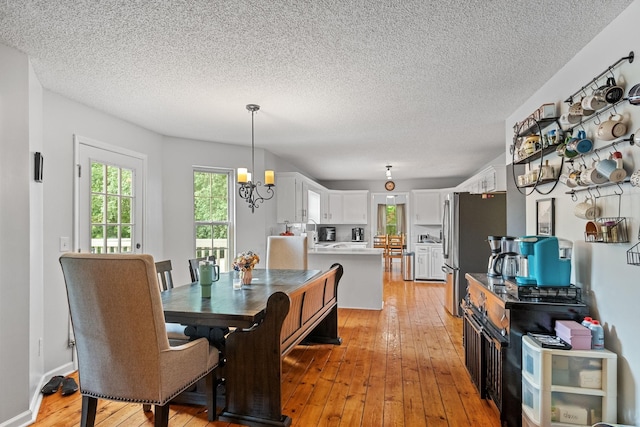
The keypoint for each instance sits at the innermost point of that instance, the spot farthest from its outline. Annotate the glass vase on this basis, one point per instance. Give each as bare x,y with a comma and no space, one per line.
246,277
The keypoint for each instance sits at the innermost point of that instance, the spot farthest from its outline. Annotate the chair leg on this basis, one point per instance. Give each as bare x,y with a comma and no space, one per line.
211,391
89,406
146,407
161,416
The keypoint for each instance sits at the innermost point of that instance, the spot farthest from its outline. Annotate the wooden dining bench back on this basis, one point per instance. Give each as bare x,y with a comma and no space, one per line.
309,306
309,313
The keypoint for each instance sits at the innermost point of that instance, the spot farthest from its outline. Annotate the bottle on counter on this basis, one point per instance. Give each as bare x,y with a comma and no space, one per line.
597,335
586,322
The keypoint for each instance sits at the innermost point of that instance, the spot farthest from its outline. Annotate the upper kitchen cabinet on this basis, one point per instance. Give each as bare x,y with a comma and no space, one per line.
289,199
345,207
427,207
488,180
298,199
334,208
354,207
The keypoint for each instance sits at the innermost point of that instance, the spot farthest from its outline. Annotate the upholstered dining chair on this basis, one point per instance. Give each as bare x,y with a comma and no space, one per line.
287,252
122,345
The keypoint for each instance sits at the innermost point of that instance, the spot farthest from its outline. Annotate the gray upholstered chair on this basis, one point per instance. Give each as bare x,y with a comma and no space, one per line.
123,349
287,252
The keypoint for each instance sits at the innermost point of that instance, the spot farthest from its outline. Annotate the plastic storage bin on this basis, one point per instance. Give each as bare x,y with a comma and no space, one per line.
567,387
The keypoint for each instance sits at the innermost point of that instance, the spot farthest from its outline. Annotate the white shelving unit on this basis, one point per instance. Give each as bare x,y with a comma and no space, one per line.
563,388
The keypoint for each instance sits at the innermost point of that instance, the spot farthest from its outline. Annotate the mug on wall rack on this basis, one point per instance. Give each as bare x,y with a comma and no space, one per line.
612,128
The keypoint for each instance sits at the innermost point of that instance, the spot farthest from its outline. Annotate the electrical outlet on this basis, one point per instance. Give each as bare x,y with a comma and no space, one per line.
64,244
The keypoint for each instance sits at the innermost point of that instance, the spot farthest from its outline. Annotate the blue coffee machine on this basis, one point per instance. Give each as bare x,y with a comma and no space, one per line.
545,267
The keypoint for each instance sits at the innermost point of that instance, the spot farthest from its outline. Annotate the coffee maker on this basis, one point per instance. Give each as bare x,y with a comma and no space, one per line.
357,234
541,264
510,258
493,268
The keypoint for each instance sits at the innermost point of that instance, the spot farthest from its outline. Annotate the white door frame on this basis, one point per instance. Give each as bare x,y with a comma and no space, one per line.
81,140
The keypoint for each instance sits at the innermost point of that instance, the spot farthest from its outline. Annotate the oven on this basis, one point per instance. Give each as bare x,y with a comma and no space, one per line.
495,346
474,350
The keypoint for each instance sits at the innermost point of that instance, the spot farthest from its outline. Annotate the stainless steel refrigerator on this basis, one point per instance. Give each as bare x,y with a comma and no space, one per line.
467,221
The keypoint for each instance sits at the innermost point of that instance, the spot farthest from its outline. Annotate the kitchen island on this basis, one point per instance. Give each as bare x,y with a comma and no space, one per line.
361,284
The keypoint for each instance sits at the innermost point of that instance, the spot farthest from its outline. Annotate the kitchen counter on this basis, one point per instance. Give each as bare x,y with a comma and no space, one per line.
361,283
319,250
498,287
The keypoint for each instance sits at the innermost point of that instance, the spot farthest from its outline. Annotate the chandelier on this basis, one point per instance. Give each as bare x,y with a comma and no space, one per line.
248,189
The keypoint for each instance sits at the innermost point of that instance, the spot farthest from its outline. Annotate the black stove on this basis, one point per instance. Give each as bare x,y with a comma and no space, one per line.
549,294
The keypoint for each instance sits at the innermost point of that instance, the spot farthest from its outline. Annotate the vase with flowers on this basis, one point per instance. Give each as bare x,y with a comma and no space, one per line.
244,264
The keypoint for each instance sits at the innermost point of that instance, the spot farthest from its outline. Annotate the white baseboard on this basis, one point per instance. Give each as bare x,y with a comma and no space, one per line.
29,417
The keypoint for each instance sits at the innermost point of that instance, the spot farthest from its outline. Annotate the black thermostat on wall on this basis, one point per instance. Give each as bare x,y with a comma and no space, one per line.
38,163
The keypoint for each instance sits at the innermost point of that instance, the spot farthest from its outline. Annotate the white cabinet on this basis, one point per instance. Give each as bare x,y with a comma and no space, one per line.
437,261
354,207
292,198
422,263
288,199
490,179
427,206
428,262
335,207
567,387
346,207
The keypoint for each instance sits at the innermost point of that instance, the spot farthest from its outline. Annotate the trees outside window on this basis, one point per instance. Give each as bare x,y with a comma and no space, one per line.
212,215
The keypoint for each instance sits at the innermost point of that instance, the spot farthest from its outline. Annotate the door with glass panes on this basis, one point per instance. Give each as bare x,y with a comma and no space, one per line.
109,198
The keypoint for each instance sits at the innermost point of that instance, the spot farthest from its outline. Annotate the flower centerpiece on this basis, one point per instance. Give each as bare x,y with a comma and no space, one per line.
244,263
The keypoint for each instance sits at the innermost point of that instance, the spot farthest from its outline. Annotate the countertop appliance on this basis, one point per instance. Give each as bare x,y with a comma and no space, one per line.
493,268
467,220
493,324
545,267
327,234
357,234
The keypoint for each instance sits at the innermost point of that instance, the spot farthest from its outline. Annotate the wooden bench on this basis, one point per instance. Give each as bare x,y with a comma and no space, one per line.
254,356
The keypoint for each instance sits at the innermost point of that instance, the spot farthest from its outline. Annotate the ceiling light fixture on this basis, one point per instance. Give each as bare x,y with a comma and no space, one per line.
248,189
389,172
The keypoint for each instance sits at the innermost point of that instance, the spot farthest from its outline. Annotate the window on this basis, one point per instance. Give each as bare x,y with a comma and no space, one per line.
212,215
391,225
111,208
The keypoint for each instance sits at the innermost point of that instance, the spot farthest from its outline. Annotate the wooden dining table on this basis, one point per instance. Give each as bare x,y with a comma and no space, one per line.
251,399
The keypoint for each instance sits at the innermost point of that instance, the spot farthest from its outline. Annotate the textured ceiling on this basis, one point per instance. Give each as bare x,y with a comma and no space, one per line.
345,87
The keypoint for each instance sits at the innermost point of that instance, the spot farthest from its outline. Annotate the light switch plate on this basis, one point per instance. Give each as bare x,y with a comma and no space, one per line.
64,244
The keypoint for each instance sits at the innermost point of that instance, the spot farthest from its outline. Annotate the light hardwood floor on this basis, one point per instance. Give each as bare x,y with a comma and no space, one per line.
402,366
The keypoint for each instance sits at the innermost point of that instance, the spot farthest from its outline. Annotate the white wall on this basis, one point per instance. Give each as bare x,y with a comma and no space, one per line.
601,269
15,239
62,119
180,157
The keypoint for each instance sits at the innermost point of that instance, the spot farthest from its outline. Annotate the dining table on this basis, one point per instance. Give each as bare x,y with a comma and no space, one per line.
252,399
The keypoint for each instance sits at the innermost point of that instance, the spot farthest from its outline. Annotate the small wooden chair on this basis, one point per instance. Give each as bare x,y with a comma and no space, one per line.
193,266
395,247
163,268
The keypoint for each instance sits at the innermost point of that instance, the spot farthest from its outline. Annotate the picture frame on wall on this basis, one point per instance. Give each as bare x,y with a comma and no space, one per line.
545,217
